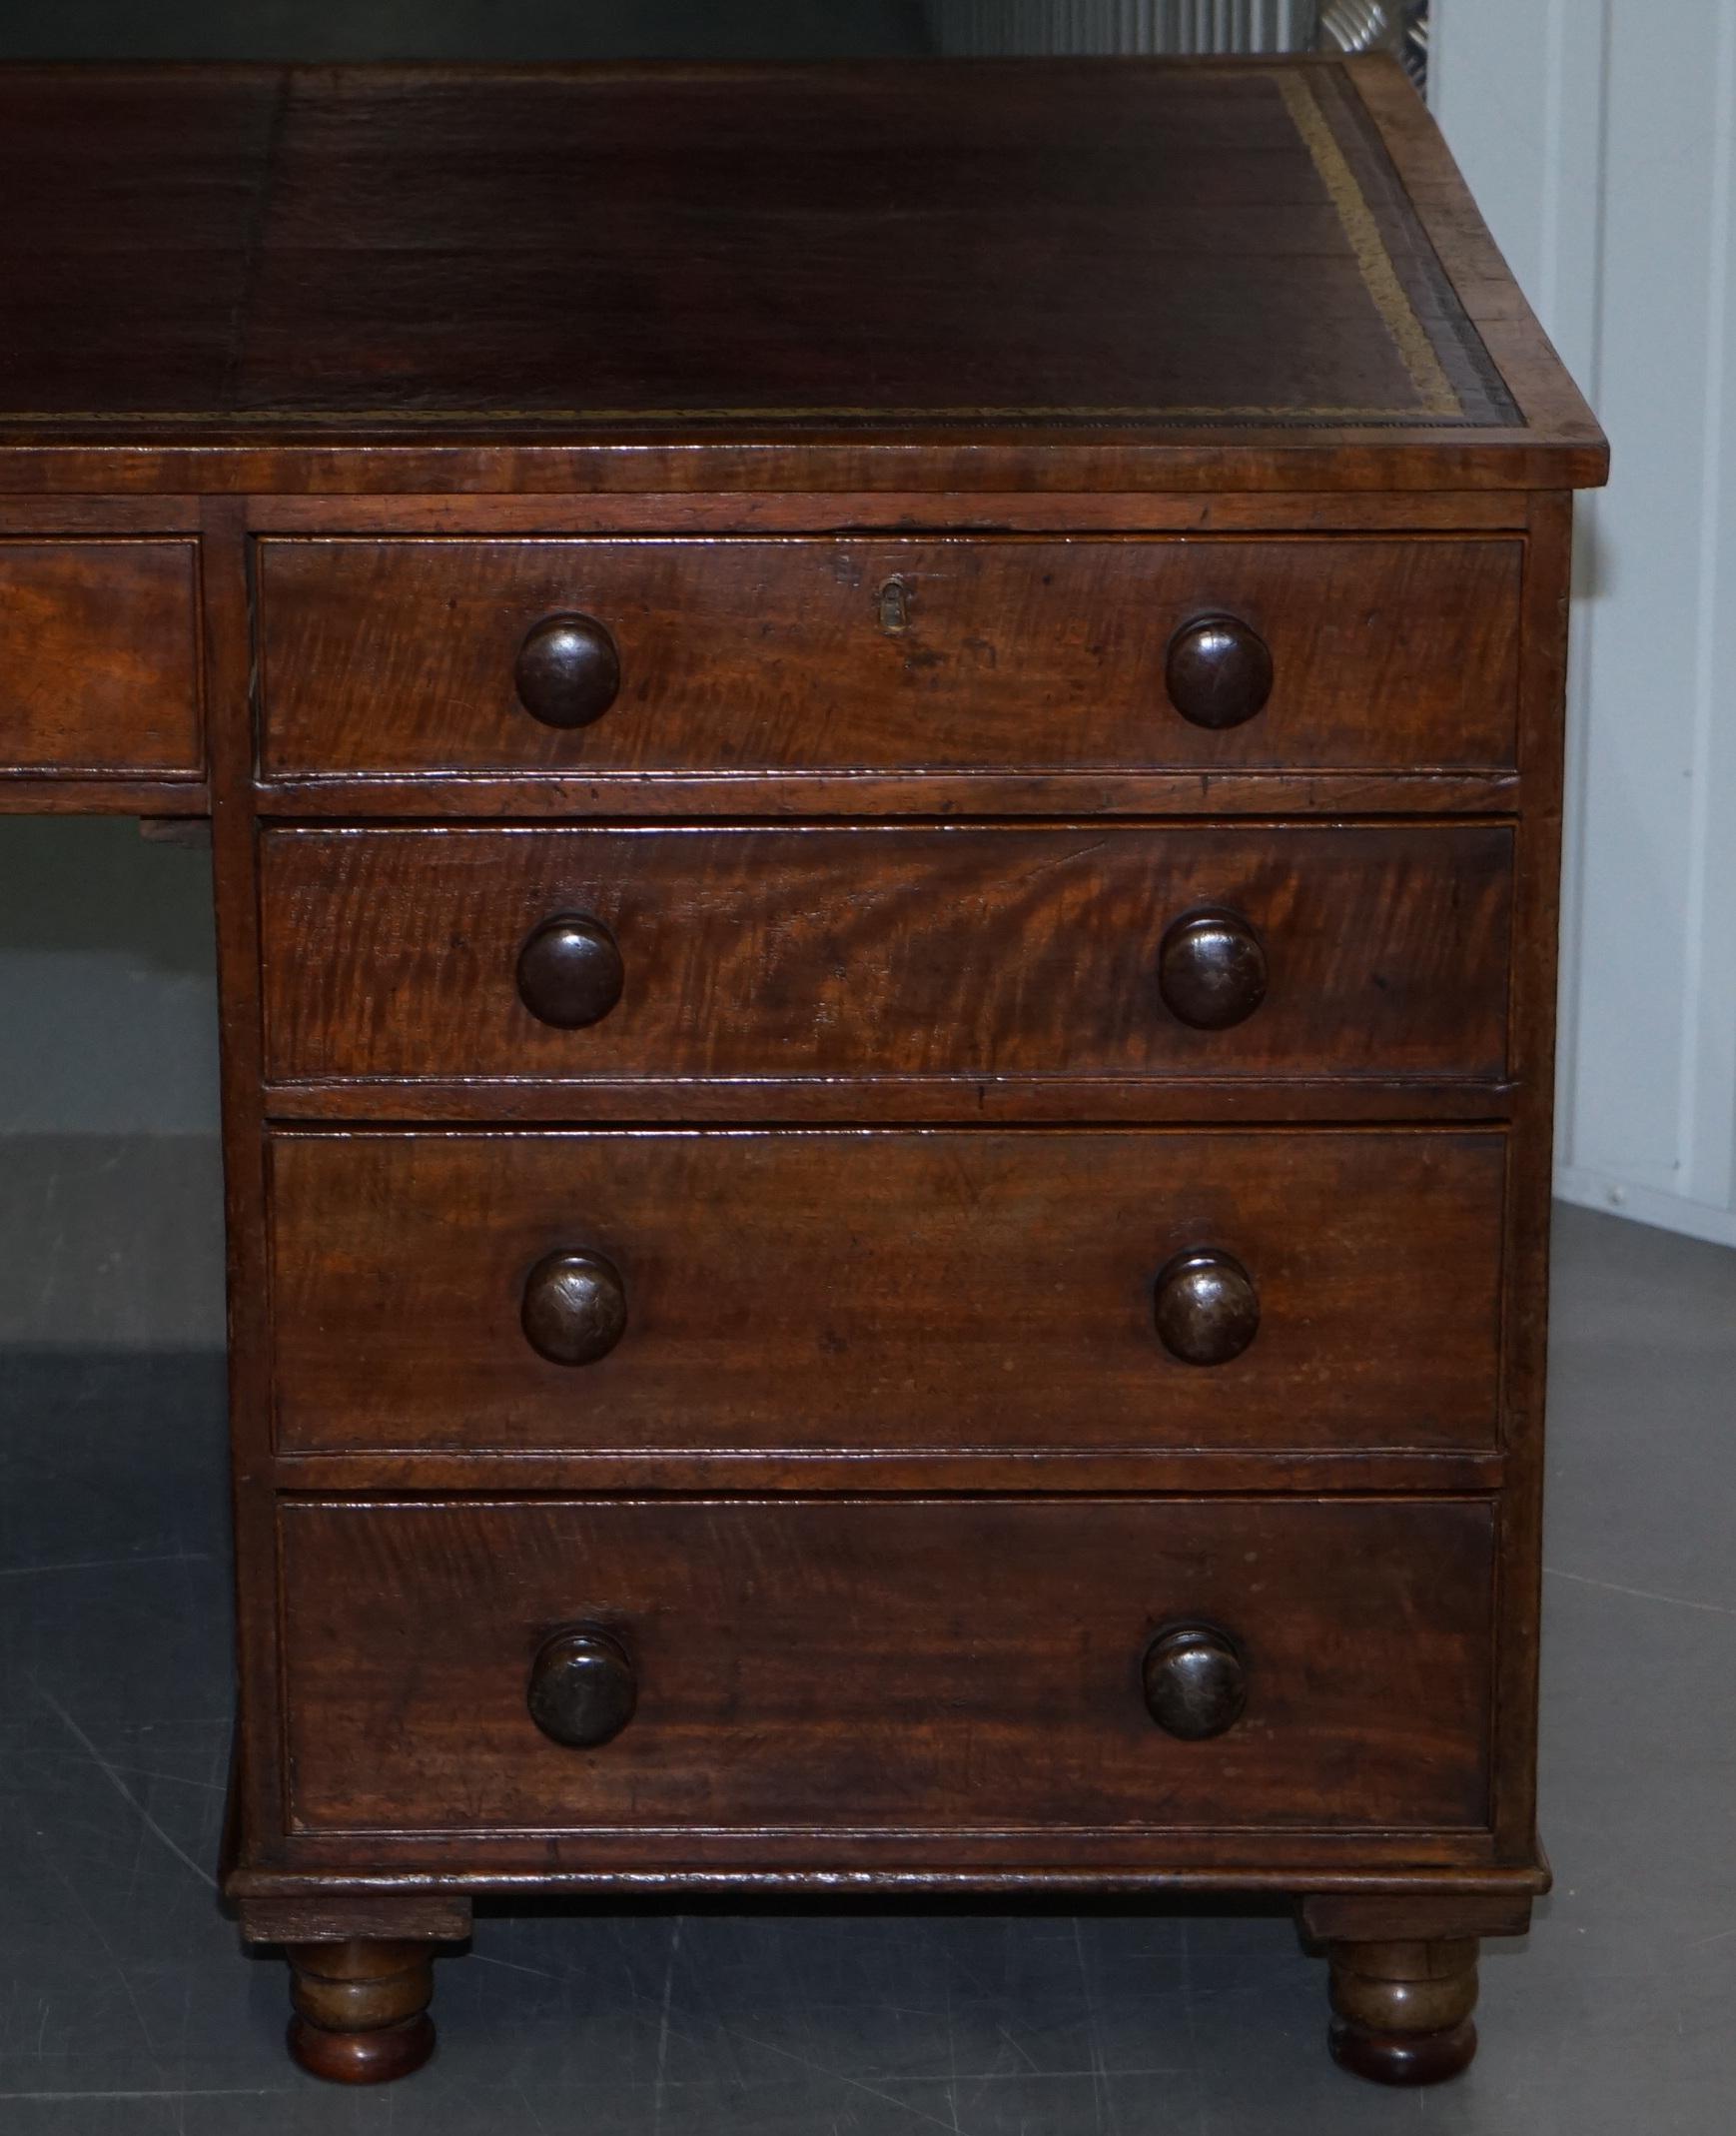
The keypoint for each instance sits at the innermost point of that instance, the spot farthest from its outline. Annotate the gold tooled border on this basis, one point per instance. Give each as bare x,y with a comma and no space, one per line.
1435,390
1379,276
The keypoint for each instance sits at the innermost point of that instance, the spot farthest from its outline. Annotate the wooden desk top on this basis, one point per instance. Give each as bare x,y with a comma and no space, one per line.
1029,275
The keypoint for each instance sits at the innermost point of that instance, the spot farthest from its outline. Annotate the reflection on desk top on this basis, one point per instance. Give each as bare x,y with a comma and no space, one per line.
1024,274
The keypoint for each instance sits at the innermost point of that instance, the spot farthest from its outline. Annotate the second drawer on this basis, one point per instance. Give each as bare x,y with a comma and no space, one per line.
851,1290
886,953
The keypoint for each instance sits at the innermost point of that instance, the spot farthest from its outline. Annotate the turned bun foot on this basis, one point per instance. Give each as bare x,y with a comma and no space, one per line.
360,2009
1401,2011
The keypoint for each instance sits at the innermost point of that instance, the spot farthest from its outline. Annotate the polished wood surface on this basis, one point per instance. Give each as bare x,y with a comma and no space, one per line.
1206,1305
360,2009
382,658
823,1665
567,671
99,660
574,1310
583,1687
1401,2011
1195,1682
1212,970
879,953
955,685
1218,671
960,1289
569,972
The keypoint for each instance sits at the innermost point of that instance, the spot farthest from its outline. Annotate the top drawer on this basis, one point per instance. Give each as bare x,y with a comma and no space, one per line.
813,655
98,659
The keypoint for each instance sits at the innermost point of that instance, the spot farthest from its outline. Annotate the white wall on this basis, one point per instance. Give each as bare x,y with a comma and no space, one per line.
1600,140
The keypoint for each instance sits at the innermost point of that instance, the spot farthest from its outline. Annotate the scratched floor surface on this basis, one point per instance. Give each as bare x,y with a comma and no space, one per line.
128,2009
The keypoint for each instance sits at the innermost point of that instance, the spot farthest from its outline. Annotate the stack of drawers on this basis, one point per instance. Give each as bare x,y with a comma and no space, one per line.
884,751
928,1348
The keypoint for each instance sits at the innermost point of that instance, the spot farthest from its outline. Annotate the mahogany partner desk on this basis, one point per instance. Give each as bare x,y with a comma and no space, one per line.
884,757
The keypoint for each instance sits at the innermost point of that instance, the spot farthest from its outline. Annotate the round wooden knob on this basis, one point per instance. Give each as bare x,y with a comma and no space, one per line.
1219,672
568,672
583,1688
576,1307
1206,1307
570,971
1195,1685
1212,969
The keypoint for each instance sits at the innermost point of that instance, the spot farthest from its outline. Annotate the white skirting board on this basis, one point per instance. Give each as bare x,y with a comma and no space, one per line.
1670,1212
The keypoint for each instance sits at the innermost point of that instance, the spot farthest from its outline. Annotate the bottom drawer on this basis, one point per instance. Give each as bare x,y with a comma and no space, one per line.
836,1665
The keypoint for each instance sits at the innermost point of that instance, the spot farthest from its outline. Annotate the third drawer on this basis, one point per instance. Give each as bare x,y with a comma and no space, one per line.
829,1290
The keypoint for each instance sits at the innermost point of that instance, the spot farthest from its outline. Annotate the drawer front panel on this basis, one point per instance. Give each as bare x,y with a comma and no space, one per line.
887,952
947,1290
99,657
851,1665
769,655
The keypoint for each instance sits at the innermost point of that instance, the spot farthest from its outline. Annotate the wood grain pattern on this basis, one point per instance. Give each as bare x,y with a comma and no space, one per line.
569,514
1317,1471
766,656
849,1665
883,952
885,1290
60,793
1367,1916
1027,461
256,1784
1537,894
41,517
868,796
334,1916
923,1101
1178,1865
99,669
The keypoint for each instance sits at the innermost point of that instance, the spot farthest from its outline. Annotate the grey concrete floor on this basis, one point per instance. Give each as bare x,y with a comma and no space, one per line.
127,2005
